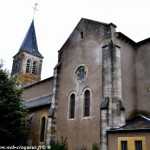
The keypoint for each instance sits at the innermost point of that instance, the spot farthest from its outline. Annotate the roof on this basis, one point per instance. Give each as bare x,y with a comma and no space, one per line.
143,42
127,39
29,43
37,83
109,24
45,100
122,36
138,122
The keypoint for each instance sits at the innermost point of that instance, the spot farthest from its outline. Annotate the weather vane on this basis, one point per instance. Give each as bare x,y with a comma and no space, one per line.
34,9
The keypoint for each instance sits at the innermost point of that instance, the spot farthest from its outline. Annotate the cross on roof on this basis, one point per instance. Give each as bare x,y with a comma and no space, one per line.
34,9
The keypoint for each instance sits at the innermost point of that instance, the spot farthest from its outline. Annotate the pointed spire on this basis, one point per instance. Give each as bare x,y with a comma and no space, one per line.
29,43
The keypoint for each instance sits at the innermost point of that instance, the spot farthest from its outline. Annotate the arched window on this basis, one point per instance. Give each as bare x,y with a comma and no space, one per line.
18,65
42,132
28,66
86,103
34,67
15,66
72,106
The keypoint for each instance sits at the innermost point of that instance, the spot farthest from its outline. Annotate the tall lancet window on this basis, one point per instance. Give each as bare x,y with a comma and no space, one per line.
42,132
86,103
34,69
28,65
72,106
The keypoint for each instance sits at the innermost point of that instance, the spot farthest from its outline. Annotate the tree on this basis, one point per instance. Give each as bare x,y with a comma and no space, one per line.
13,114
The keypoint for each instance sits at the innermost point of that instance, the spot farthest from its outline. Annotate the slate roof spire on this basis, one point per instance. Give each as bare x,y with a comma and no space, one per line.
29,43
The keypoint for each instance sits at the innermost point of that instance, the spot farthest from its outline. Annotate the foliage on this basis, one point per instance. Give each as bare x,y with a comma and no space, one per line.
59,145
12,112
63,145
95,146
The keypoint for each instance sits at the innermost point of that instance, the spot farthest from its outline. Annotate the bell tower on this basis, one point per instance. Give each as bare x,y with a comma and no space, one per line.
27,63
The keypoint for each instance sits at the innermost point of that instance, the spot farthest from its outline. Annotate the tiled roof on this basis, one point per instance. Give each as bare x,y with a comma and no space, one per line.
45,100
139,122
29,43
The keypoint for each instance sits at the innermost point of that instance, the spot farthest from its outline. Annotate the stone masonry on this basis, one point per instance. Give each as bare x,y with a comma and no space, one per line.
112,109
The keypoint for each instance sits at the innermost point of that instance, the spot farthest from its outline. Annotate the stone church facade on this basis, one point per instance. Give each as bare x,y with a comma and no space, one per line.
99,92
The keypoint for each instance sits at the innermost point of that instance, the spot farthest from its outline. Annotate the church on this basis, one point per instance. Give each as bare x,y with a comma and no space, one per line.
99,92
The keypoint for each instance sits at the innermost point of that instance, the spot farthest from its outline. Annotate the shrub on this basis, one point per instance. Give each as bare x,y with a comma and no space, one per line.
62,145
95,146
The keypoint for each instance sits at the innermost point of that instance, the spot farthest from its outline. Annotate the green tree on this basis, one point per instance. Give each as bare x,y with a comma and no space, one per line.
13,114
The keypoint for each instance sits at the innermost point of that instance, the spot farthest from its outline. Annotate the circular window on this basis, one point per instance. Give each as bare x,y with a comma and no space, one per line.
81,73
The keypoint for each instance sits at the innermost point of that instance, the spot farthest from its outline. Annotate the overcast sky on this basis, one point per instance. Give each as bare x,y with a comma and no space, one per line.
56,19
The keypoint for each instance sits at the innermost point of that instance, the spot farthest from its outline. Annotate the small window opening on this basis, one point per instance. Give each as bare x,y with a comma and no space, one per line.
124,145
81,34
138,145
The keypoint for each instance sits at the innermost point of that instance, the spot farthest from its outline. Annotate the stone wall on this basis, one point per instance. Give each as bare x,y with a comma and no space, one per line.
85,50
38,89
143,78
35,125
128,71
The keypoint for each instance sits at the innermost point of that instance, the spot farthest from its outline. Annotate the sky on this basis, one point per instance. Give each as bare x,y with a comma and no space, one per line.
55,20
